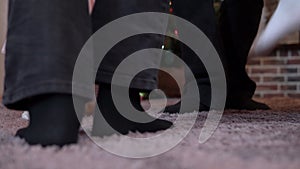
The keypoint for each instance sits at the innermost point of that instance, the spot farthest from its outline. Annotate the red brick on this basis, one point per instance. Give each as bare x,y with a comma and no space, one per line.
294,79
273,79
293,61
263,70
288,87
288,70
294,95
268,95
257,95
255,78
273,62
267,87
248,69
254,62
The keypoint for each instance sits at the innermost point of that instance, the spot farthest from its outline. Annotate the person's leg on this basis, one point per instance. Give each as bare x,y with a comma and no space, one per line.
43,41
104,12
53,120
202,14
238,29
239,23
111,121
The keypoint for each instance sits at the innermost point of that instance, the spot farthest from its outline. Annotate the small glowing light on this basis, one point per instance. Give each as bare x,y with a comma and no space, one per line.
170,3
176,32
142,94
163,46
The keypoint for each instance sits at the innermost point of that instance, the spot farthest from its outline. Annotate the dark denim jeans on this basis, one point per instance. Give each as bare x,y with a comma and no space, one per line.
45,37
43,41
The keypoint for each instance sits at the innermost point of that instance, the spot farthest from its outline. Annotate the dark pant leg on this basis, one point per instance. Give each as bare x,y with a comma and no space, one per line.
200,13
239,23
43,41
106,11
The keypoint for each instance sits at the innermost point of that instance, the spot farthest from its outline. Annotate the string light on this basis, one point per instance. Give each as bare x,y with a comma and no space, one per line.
171,8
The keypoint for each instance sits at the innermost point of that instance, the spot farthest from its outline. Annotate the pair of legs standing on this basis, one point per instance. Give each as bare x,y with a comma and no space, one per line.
45,37
43,42
232,36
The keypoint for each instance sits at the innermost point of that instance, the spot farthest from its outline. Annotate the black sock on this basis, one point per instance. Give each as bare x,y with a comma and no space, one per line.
53,120
115,120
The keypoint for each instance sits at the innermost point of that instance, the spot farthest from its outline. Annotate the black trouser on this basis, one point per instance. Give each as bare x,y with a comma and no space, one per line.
239,24
232,37
44,39
106,11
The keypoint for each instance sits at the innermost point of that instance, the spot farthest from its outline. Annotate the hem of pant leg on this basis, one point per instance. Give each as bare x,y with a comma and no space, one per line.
139,83
201,83
11,98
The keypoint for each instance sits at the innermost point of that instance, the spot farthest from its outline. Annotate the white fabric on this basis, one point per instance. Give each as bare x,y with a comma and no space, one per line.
3,48
285,20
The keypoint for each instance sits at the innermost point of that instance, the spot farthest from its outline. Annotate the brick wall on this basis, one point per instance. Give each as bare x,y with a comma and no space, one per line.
277,75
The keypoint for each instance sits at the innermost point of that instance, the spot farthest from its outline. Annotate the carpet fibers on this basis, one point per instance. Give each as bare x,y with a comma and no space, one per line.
243,140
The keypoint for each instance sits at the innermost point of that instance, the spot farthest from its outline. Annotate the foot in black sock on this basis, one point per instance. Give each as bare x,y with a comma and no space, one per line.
109,114
247,105
53,120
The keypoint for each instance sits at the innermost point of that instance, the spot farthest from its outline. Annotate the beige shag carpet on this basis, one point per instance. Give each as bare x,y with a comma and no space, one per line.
243,140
